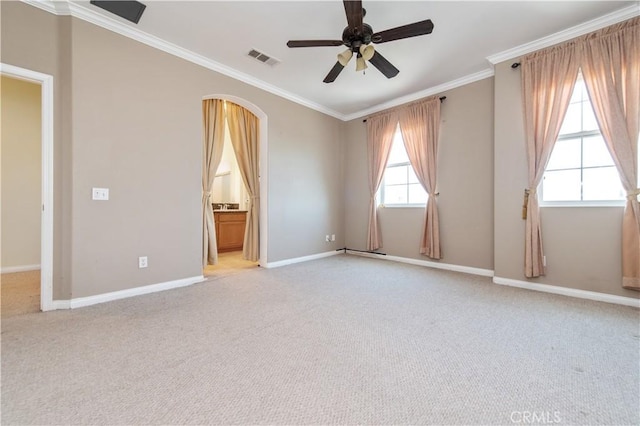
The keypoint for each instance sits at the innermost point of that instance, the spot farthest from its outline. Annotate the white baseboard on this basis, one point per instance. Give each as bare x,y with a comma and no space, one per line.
430,264
22,268
60,304
301,259
123,294
572,292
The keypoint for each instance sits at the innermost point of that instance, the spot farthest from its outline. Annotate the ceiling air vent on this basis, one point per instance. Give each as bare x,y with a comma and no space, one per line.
265,59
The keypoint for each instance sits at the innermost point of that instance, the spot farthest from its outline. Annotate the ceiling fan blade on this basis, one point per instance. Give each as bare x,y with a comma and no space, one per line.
333,74
313,43
405,31
384,66
354,12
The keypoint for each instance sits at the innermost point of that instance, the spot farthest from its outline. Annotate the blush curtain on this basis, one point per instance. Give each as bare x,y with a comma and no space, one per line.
213,127
243,130
420,127
380,131
548,78
611,69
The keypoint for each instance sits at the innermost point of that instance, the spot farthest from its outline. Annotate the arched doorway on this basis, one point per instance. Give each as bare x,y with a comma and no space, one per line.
263,166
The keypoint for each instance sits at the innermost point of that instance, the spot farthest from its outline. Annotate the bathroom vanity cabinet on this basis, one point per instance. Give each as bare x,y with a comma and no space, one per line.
230,225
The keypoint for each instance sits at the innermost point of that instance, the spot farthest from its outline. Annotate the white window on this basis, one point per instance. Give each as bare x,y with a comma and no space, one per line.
580,168
400,185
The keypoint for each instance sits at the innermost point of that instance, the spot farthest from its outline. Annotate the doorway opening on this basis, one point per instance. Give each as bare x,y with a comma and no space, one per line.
231,201
44,202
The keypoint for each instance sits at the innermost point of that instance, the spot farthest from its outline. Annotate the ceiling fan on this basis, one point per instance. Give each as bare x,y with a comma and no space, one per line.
358,36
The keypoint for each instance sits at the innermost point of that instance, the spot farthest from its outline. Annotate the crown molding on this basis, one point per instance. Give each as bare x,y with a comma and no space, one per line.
55,7
76,10
81,12
568,34
481,75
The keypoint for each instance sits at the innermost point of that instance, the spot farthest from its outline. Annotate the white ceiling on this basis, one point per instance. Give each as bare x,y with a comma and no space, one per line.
465,34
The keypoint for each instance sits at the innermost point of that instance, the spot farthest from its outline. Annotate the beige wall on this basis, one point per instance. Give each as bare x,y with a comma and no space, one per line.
582,244
39,41
133,116
127,117
482,175
465,182
21,172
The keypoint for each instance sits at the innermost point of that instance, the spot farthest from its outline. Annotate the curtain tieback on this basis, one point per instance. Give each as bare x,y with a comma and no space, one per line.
525,203
254,197
206,195
633,194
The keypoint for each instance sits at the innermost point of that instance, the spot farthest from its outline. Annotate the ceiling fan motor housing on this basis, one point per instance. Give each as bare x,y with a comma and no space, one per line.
354,40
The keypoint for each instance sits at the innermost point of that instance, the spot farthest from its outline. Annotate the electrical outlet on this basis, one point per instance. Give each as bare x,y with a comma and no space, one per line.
327,238
333,237
142,262
101,194
544,260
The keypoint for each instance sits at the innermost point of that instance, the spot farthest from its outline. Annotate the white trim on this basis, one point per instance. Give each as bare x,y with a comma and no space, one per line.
60,304
302,259
430,264
124,294
568,34
263,153
46,231
471,78
21,268
57,7
86,14
571,292
572,204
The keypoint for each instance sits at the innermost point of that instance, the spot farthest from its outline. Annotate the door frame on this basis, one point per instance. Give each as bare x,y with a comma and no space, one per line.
263,143
46,223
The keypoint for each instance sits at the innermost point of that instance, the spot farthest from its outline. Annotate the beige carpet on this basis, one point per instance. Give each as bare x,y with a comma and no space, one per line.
20,293
341,340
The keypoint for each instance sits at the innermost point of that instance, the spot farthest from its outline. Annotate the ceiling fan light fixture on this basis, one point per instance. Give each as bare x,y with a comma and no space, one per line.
361,64
367,51
345,57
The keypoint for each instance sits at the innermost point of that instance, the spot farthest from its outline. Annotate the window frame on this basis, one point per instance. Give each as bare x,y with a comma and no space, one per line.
380,193
582,134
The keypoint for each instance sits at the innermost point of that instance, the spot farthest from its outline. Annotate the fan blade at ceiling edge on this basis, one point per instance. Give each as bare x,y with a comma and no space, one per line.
405,31
353,10
384,66
313,43
333,74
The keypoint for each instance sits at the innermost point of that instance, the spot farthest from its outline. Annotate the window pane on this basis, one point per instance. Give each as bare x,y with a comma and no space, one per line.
565,155
395,194
595,152
398,153
572,121
561,185
412,176
417,194
602,183
579,91
395,175
589,121
576,95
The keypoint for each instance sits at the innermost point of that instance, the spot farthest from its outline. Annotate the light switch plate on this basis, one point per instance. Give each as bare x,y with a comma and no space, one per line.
101,194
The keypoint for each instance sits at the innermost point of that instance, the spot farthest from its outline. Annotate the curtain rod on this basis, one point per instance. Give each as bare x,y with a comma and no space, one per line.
442,98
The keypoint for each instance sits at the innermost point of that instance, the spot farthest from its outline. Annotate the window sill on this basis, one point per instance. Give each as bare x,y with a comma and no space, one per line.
402,206
563,204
